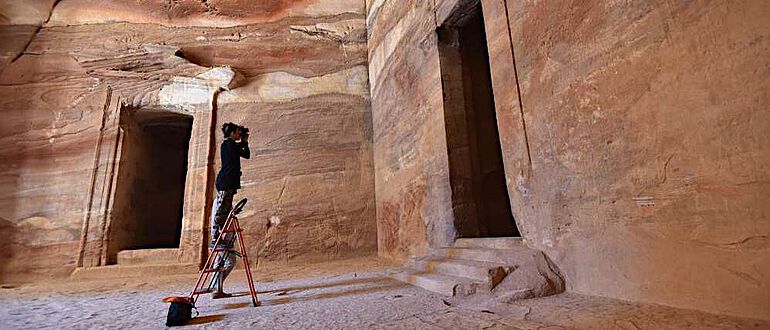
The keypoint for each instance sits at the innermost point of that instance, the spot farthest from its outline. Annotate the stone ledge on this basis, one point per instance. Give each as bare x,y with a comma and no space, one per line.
148,257
119,271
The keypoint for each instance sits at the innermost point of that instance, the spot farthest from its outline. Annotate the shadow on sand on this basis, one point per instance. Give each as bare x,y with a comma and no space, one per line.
206,319
287,295
376,285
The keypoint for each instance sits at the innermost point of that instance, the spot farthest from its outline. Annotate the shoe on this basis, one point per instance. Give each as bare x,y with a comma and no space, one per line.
220,295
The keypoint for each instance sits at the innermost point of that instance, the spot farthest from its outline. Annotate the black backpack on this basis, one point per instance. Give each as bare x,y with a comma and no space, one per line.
180,311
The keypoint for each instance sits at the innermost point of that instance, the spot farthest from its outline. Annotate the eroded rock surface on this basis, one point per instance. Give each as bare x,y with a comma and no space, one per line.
633,136
298,79
195,12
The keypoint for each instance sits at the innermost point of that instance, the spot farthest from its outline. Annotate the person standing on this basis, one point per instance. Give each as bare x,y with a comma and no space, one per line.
227,183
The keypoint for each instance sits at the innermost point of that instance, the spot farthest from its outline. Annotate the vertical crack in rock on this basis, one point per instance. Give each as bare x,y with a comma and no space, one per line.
32,37
279,200
24,50
273,221
665,169
518,87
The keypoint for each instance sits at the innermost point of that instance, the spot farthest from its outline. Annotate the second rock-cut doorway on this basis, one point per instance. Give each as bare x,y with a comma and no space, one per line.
480,200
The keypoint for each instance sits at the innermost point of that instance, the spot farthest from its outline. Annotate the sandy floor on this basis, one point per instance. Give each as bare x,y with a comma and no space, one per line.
353,294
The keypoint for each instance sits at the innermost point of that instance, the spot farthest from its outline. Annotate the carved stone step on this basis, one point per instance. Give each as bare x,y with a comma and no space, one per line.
490,242
119,271
439,283
509,257
503,265
485,272
148,257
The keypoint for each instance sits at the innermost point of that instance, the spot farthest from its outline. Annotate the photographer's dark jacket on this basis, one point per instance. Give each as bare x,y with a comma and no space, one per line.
229,176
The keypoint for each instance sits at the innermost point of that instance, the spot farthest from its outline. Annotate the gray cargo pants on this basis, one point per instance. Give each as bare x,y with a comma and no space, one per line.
220,210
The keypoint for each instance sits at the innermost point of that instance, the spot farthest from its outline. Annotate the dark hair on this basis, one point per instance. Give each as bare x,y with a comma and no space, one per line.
228,129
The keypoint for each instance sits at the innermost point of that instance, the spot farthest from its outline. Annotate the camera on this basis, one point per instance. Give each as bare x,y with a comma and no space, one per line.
244,130
227,128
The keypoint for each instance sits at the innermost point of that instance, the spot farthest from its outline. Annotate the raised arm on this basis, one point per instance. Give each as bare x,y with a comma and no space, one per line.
244,149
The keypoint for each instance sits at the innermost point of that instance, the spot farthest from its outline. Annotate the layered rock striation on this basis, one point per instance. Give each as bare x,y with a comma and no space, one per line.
632,136
302,88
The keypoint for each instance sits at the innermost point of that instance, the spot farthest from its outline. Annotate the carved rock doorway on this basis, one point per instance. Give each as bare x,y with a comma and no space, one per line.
149,185
480,202
154,85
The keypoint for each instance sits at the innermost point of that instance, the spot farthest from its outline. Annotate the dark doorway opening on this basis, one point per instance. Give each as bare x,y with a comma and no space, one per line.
479,194
149,192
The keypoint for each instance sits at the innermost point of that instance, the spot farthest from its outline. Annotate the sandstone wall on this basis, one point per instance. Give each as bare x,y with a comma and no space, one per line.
304,93
411,165
638,163
647,124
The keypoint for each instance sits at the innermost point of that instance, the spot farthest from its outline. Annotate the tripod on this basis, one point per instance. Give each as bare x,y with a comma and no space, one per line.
230,232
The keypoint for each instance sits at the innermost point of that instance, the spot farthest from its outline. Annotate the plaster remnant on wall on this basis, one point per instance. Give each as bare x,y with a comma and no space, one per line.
187,93
547,242
190,93
645,201
224,77
274,221
520,185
